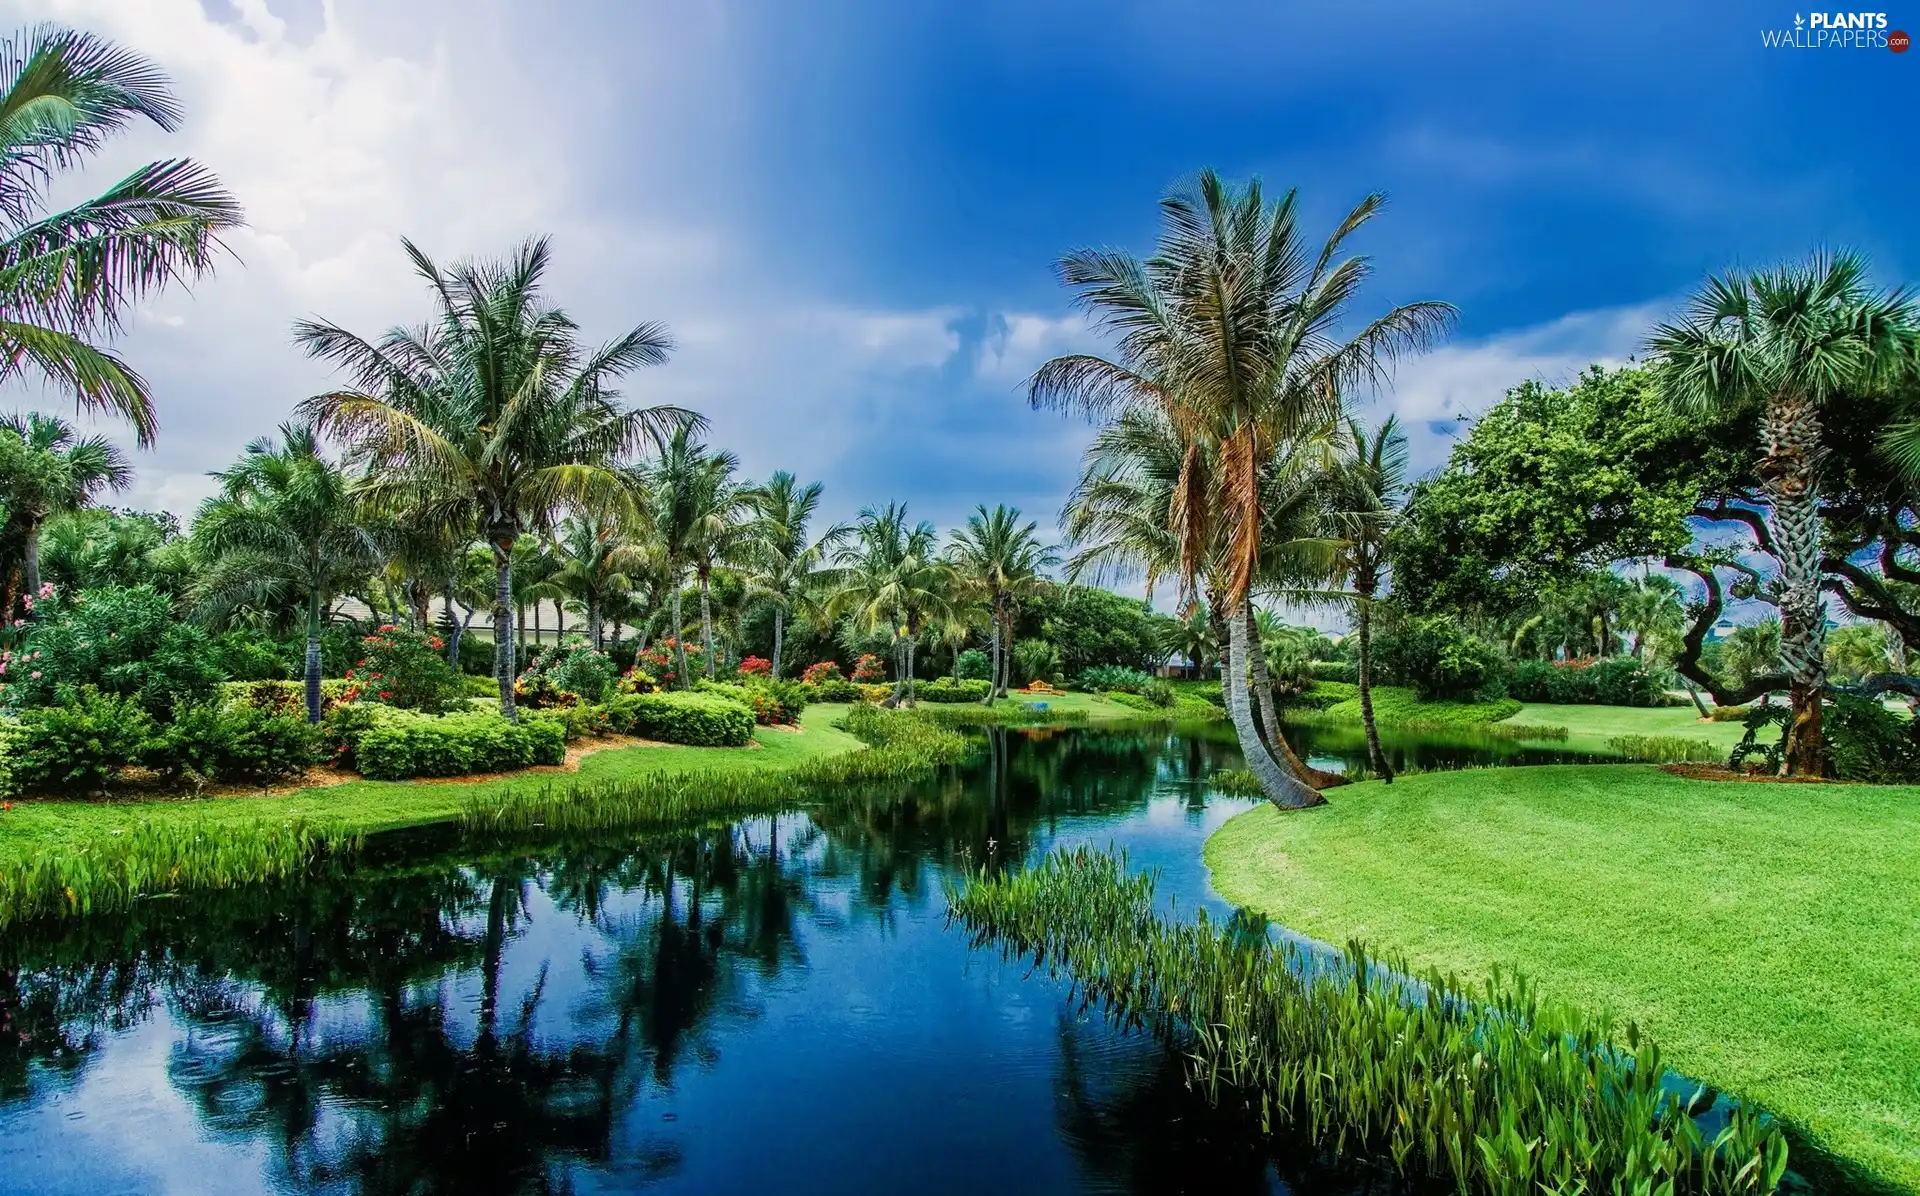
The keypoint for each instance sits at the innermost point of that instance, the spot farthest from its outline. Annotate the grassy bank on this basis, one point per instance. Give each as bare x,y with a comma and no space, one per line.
1766,934
1589,727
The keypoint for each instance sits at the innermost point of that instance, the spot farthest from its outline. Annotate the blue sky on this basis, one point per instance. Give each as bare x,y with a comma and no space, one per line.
849,211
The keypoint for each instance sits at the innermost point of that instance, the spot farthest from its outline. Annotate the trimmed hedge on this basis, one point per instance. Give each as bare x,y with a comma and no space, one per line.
1335,670
233,742
833,689
1614,681
402,744
696,719
947,690
774,703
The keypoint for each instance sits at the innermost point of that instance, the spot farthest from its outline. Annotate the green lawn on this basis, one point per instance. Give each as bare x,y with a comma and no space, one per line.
46,825
1592,726
1767,935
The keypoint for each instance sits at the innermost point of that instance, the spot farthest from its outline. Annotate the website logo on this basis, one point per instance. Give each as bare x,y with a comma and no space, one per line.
1836,31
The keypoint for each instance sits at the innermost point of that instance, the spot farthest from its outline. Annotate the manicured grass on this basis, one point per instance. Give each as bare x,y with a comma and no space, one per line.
1097,707
1767,935
365,806
1392,704
1589,727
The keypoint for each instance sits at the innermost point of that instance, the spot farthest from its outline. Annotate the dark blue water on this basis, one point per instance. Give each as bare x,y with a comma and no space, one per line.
775,1004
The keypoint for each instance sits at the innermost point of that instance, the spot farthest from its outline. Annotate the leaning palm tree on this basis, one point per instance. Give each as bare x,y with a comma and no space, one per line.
68,278
691,504
1370,484
46,470
784,566
495,409
1231,330
1786,342
894,578
1004,562
285,529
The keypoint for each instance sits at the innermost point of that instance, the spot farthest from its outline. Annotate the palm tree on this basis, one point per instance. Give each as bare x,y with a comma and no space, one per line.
494,408
1787,341
593,559
1002,560
46,470
284,529
1371,485
1230,331
893,577
783,566
1652,613
691,504
70,276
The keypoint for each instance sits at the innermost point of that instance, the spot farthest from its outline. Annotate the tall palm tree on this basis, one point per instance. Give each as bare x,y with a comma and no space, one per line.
593,558
495,407
46,470
1371,483
783,565
692,505
1231,330
284,529
68,278
1788,341
894,577
1004,562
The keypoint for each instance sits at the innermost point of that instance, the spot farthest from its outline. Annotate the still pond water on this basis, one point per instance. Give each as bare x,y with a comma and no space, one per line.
771,1005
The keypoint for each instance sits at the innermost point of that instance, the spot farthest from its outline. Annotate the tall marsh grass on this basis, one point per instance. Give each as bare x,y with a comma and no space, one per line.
157,857
1665,749
1484,1090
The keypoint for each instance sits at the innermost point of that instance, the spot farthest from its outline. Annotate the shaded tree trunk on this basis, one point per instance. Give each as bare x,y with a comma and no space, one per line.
504,664
32,556
993,668
1262,680
1375,756
1280,785
311,675
680,642
1790,432
779,638
706,621
593,622
453,630
1695,695
520,621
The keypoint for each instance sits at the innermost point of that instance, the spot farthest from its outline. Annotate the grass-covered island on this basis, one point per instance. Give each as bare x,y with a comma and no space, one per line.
1767,935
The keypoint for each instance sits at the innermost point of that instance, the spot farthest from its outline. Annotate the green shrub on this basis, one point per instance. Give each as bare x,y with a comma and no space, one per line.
1614,681
1319,695
1438,660
833,689
81,744
404,744
1105,678
574,667
774,703
973,665
1727,714
1158,690
698,719
477,656
1334,670
947,690
1868,742
126,642
579,721
481,687
1034,660
1663,749
10,733
256,656
281,697
341,728
404,671
1132,701
239,742
637,680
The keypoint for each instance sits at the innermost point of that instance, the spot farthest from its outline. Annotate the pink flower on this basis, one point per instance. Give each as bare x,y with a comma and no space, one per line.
36,674
46,589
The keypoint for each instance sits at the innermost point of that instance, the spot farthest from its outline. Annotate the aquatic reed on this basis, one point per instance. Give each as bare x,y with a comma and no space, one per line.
1665,749
157,857
1488,1090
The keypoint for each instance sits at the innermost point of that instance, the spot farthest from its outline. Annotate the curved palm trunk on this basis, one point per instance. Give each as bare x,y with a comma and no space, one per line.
312,673
1375,755
503,662
706,622
1790,432
1695,695
993,669
1276,738
680,641
1281,787
779,637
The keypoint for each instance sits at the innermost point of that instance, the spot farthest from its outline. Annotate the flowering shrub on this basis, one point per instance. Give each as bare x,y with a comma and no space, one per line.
756,666
774,703
822,672
637,680
662,660
869,669
407,671
122,641
539,691
572,667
